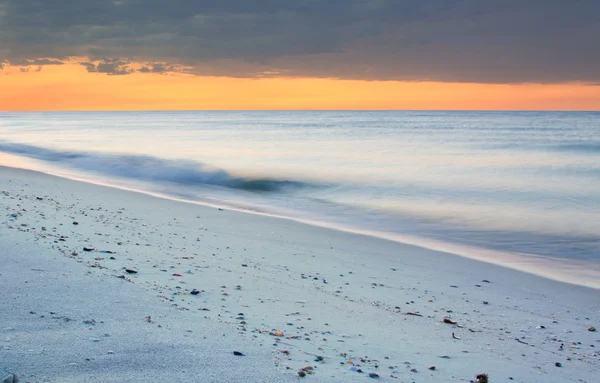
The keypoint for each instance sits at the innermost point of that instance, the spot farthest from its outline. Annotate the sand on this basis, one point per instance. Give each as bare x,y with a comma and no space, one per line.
291,297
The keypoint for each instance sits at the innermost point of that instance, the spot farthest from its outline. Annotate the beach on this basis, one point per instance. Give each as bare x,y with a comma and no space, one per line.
105,285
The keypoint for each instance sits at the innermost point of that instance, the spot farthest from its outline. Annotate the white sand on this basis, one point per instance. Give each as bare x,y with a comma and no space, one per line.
361,312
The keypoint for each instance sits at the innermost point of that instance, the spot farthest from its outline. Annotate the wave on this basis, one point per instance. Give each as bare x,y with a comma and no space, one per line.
148,168
591,147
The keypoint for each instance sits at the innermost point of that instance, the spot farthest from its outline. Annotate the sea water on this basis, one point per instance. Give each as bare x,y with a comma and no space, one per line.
515,188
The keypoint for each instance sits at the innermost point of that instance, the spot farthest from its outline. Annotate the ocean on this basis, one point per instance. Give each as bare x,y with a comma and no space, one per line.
521,189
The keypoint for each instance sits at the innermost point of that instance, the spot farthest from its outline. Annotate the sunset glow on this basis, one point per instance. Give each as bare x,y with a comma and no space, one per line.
71,87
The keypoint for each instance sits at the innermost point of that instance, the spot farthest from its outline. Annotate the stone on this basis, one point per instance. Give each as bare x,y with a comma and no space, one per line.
6,377
276,333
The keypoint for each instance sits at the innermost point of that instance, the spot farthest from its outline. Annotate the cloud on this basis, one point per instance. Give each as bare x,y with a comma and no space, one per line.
446,40
38,61
113,67
160,68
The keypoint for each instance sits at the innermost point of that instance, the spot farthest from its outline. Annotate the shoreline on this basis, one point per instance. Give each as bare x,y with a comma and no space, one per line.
545,267
346,298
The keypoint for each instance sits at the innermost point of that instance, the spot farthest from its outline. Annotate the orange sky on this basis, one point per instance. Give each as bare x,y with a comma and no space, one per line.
70,87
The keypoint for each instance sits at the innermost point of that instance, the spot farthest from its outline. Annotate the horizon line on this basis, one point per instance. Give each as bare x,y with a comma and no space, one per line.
296,110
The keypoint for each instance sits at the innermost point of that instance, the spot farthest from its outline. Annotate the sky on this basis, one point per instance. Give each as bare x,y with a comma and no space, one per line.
299,54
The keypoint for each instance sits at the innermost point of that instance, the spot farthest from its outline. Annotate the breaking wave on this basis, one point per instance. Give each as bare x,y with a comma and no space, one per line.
148,168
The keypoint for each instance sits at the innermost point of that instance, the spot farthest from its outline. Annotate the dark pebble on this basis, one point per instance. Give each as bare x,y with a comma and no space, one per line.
238,353
557,364
130,271
88,249
194,292
432,368
244,265
301,374
373,375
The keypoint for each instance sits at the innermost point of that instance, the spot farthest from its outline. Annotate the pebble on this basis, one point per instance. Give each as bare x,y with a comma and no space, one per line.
276,333
373,375
238,353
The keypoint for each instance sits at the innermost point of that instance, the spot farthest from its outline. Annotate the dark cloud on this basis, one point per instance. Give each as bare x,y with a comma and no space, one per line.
448,40
160,68
26,62
113,67
45,62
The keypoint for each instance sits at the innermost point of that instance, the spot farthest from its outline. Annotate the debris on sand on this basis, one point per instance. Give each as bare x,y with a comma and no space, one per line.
276,333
